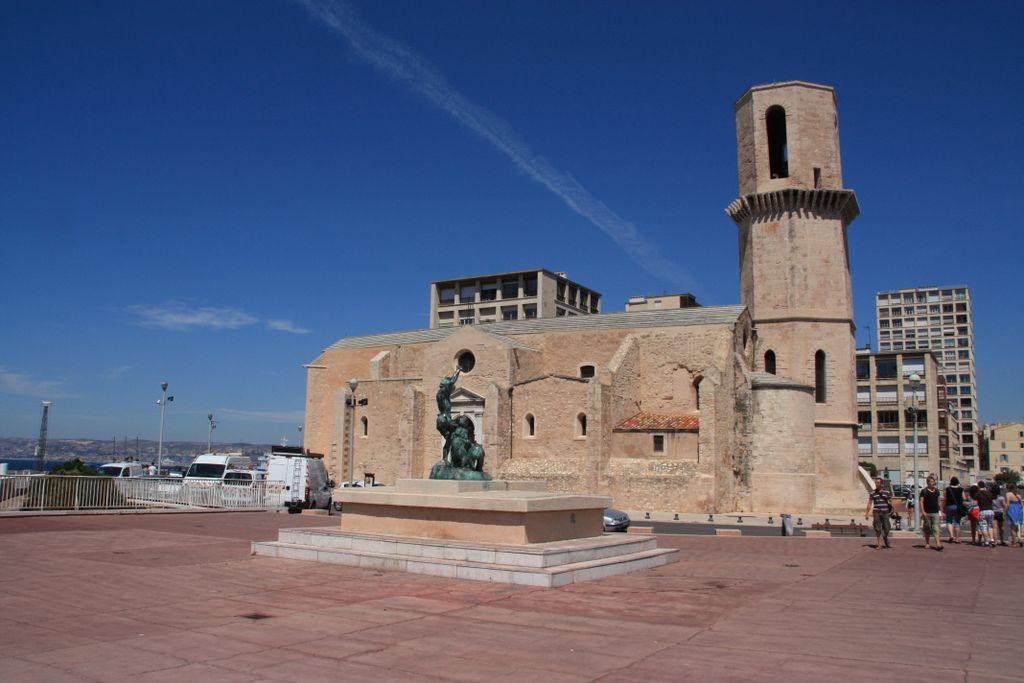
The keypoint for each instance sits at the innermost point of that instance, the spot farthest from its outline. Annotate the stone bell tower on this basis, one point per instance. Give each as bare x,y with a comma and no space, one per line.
792,213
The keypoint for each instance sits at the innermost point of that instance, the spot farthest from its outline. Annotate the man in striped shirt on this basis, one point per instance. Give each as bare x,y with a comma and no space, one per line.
880,505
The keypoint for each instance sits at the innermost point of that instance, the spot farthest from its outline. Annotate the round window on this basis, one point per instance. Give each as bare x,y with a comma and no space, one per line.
466,361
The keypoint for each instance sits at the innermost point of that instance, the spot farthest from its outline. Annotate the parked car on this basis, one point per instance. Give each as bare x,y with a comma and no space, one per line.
615,520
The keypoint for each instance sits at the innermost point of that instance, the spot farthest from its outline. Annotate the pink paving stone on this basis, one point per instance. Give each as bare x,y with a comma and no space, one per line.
749,608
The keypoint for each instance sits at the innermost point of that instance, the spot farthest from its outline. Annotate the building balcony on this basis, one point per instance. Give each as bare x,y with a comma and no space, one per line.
888,450
888,426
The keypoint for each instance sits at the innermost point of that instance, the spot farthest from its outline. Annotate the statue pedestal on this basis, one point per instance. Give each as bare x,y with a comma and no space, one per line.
490,511
508,531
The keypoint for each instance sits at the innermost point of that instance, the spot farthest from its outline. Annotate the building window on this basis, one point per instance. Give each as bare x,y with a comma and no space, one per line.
696,391
530,311
586,371
659,443
820,392
863,368
769,361
509,289
530,285
366,425
509,313
778,152
489,291
446,295
581,425
467,293
530,425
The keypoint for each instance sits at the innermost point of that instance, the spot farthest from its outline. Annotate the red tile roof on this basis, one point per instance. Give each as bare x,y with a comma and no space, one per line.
659,422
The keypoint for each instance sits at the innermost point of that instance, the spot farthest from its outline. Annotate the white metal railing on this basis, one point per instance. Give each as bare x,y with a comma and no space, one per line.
56,492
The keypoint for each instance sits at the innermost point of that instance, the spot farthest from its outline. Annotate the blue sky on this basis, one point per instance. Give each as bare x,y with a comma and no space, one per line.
211,193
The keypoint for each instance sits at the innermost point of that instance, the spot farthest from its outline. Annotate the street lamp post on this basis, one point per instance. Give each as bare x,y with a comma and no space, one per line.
352,384
209,433
915,382
160,448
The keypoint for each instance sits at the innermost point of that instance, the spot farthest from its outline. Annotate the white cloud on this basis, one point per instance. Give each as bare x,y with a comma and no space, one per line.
285,416
286,326
402,64
26,385
178,317
119,371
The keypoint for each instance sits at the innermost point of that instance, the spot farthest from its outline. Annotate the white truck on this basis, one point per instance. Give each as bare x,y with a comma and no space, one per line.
300,477
122,469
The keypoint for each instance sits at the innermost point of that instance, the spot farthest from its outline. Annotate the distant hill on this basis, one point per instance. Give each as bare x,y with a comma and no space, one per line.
93,451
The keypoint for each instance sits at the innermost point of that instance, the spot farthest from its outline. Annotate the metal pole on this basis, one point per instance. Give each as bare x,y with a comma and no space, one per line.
160,445
914,381
352,439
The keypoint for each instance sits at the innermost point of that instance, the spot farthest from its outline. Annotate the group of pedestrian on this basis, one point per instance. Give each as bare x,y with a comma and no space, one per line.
983,506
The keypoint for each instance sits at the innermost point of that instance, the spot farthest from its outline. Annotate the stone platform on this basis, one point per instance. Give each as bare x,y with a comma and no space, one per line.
551,564
506,531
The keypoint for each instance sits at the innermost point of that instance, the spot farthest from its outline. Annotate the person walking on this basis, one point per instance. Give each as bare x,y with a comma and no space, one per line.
986,515
1014,512
955,508
998,503
880,507
973,512
929,505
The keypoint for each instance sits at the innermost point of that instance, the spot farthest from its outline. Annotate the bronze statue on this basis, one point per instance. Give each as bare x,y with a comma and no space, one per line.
461,457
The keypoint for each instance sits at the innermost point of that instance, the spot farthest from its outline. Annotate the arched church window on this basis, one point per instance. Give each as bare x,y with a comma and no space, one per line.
769,362
581,425
366,426
778,152
530,424
820,394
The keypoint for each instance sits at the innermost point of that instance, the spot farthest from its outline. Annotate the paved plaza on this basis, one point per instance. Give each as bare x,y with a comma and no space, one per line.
178,597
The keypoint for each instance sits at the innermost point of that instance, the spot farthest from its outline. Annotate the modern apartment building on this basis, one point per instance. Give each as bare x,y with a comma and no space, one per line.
517,295
885,397
661,302
1005,447
941,320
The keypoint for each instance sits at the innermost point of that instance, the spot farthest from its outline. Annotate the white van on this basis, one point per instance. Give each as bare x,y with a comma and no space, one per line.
210,467
300,477
122,469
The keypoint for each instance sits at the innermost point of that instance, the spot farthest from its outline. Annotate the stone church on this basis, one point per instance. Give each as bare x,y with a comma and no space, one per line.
742,408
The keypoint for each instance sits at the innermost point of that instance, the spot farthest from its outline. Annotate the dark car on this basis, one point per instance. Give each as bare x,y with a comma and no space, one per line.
615,520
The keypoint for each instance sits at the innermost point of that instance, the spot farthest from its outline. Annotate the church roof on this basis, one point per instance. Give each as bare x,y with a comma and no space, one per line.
703,315
659,422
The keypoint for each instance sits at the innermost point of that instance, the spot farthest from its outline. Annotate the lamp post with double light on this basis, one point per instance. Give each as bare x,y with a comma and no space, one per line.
352,384
162,402
209,433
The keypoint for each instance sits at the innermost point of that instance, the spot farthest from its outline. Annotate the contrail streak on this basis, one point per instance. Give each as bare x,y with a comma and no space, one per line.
402,64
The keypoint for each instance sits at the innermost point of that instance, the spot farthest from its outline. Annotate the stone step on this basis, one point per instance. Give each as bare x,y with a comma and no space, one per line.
537,555
548,576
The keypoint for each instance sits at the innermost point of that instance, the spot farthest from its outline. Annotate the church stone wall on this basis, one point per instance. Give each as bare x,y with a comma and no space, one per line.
782,464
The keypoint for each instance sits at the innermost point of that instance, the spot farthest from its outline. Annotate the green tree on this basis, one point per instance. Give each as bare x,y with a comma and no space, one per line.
1011,477
870,467
75,468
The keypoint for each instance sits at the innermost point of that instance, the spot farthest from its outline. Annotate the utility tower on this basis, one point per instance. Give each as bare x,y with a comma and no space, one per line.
41,446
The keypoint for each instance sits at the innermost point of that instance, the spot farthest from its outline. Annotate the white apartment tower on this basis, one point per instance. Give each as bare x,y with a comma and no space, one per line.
938,319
